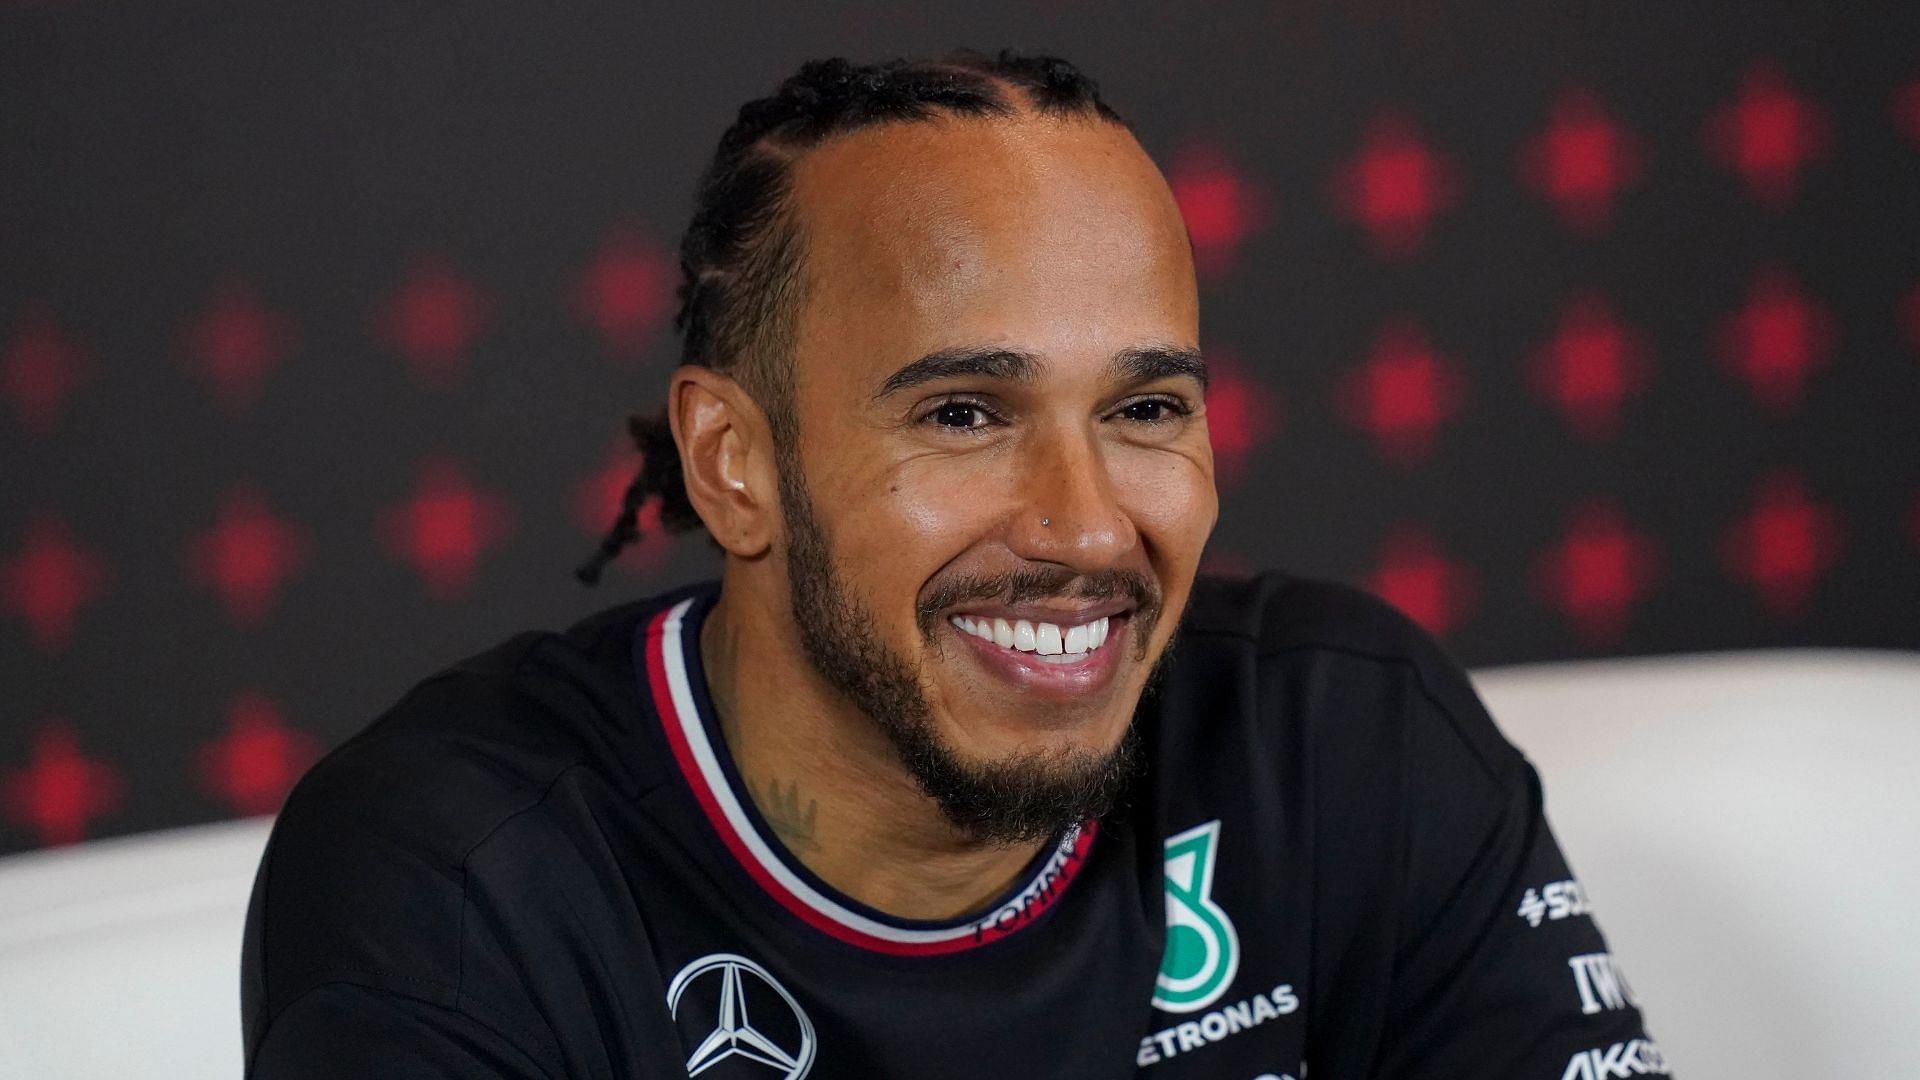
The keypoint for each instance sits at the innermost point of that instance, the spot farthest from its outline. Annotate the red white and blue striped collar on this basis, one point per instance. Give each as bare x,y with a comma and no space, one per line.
671,655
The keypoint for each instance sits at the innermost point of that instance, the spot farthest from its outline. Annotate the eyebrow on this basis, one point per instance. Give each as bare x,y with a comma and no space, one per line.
1142,364
980,362
1159,362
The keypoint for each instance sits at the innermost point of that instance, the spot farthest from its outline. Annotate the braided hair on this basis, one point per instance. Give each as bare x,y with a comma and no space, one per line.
740,276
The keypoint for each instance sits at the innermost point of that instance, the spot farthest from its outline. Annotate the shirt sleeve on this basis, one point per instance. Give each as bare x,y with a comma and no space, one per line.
1500,968
341,1029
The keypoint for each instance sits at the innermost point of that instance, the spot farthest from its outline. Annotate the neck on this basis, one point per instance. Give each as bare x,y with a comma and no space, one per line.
827,779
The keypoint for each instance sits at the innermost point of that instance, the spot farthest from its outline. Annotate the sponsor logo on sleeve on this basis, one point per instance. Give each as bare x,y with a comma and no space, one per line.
1601,983
1636,1057
1551,903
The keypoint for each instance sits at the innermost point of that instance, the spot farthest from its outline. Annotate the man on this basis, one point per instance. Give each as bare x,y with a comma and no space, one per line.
923,788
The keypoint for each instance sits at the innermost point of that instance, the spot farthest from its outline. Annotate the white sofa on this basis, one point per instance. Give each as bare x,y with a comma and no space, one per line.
1747,825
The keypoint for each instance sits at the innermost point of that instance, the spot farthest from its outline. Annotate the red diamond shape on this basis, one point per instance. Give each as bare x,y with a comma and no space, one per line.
1786,541
247,555
432,319
1219,206
624,294
1395,186
1413,575
235,341
1243,414
40,369
1776,339
1581,162
1767,134
444,527
1402,394
1590,366
61,791
597,501
255,763
1598,571
51,581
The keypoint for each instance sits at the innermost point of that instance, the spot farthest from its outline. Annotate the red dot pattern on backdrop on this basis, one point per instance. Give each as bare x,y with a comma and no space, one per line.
1776,339
1581,162
1768,134
1784,543
1220,206
235,343
1599,570
1414,575
1401,392
52,581
256,761
1395,186
626,292
432,318
597,503
1590,367
41,368
1243,414
247,555
60,791
445,527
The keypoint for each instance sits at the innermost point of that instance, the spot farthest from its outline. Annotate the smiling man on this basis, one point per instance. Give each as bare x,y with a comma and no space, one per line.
961,769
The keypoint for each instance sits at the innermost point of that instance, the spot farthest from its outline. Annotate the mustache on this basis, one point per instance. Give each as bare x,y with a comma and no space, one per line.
1040,583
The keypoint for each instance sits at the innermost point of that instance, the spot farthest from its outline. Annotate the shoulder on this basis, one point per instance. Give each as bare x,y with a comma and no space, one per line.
1277,611
366,874
1344,659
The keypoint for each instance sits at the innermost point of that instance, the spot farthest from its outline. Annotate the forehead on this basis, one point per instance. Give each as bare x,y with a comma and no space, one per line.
1056,235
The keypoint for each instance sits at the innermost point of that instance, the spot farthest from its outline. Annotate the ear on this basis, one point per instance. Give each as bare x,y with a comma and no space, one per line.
726,457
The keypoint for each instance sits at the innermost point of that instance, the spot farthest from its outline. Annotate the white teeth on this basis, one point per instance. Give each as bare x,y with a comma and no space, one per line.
1076,640
1046,637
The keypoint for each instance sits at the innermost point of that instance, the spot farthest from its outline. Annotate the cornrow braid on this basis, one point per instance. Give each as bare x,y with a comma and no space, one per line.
740,279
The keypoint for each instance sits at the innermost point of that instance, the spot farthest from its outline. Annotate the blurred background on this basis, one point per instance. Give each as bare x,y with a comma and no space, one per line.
1573,331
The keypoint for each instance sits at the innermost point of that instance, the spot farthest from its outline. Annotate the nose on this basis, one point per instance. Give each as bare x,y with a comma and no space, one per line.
1066,485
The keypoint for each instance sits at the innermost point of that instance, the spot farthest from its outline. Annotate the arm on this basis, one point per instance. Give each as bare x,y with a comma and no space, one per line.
1500,968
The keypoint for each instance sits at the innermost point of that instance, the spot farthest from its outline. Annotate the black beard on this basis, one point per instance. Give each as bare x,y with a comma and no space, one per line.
1026,798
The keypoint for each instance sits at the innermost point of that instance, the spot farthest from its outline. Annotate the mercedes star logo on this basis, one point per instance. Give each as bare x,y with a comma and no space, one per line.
731,1009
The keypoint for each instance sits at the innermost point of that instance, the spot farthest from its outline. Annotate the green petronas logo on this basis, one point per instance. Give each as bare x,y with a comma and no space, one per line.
1202,951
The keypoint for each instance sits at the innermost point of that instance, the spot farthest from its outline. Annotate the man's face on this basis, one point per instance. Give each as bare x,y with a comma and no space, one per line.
1003,483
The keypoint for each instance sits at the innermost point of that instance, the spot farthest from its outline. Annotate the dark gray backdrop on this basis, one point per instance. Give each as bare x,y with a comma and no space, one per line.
280,289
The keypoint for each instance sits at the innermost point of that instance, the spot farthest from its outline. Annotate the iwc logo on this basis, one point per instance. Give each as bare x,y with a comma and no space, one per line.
1202,951
740,1021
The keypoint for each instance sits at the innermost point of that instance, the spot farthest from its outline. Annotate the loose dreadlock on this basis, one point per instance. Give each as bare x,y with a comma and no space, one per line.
740,276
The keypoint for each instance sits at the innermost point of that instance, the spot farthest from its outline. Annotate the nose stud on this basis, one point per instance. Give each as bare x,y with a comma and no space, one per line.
1043,521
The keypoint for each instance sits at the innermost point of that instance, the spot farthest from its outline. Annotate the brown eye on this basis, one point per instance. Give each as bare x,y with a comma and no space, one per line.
1152,410
957,414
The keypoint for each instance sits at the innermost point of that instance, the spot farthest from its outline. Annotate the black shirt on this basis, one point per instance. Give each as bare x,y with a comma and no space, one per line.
541,862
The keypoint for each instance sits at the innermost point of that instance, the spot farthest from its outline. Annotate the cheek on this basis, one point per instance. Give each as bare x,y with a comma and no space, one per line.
903,526
1171,500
